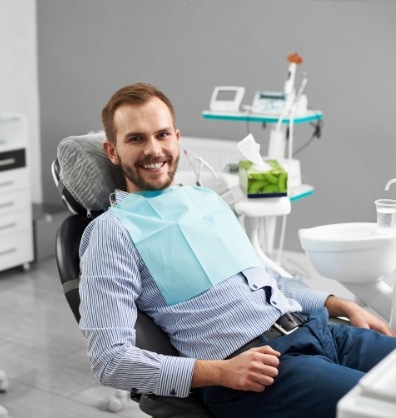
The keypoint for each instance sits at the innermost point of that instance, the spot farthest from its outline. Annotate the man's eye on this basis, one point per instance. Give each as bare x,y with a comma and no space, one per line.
164,134
135,139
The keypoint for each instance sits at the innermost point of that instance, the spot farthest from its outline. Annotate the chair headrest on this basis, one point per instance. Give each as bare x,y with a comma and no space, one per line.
86,171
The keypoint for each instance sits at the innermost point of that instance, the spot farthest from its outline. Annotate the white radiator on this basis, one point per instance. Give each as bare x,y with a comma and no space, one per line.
216,152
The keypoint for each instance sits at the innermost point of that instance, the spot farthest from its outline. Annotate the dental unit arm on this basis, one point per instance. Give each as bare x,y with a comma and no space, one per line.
294,103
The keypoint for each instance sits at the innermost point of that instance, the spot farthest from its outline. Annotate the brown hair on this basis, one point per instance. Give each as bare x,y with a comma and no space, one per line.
136,94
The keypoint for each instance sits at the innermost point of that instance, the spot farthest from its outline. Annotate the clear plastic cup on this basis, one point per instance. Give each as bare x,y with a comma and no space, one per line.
386,215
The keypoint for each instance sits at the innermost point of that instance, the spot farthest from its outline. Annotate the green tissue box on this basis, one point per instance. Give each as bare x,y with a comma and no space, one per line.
270,183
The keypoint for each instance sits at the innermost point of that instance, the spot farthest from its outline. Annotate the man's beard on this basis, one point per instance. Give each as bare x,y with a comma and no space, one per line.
139,181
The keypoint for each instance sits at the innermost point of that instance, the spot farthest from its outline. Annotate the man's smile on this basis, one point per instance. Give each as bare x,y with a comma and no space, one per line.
153,166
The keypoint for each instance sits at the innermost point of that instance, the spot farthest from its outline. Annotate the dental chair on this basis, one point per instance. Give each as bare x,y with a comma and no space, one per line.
85,178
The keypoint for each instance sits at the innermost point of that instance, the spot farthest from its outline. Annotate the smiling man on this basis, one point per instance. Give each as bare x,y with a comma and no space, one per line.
179,254
146,137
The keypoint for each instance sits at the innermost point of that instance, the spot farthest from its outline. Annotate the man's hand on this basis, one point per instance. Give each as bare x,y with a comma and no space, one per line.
252,370
358,316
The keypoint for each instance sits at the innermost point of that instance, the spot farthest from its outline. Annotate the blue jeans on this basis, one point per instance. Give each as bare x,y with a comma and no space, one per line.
319,364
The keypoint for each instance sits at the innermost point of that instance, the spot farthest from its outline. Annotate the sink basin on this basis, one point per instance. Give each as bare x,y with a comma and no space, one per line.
350,252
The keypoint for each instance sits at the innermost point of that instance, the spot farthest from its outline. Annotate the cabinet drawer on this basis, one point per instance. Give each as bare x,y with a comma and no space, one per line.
16,250
16,222
14,201
14,180
11,160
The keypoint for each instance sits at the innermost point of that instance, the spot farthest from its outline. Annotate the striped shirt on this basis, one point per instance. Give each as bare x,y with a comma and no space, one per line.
115,282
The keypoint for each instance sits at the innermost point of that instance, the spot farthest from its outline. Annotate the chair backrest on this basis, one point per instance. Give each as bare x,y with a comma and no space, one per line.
66,253
84,175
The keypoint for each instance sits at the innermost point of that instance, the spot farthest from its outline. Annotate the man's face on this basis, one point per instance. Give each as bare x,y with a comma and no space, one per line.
147,145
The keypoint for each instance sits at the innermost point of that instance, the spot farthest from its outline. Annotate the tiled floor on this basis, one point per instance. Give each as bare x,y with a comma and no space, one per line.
43,352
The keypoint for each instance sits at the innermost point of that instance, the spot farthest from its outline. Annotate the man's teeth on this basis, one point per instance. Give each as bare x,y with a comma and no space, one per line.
153,166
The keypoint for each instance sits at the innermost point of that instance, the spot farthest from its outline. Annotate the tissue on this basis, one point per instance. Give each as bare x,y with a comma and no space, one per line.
258,177
250,149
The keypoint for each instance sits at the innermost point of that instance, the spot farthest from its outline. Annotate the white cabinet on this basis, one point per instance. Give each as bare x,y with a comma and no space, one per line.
16,227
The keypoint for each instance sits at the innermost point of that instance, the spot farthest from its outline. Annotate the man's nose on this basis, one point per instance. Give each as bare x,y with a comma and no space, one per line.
152,147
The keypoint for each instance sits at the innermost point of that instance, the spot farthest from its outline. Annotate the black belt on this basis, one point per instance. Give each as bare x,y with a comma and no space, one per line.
284,325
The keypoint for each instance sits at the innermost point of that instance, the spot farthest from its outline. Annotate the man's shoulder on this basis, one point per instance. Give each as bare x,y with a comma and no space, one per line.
105,220
106,223
105,228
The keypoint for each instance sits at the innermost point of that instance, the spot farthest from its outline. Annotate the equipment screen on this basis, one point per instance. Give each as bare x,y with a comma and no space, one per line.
226,95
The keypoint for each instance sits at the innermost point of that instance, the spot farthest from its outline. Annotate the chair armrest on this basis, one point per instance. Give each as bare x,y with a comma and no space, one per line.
171,407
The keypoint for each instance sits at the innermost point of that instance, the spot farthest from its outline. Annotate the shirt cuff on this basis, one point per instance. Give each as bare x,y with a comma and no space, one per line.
175,377
313,299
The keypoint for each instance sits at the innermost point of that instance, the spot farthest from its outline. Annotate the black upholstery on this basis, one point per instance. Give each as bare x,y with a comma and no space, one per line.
67,258
170,407
148,335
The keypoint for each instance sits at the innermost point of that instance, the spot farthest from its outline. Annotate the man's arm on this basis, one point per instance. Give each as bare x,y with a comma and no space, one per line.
252,370
358,316
256,368
311,298
109,287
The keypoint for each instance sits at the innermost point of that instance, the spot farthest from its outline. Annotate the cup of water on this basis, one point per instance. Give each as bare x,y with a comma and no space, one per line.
386,215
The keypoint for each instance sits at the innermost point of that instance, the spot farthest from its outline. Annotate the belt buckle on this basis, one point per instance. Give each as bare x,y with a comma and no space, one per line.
282,330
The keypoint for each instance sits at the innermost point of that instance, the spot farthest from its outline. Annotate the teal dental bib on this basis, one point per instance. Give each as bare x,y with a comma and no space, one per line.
188,247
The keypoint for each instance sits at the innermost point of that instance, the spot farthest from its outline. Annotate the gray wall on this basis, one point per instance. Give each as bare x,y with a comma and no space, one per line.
90,48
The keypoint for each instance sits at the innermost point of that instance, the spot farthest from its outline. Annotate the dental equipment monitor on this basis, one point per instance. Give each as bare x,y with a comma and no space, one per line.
265,102
226,99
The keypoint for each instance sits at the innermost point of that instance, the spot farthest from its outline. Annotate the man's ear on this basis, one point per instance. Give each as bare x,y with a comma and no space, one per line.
111,152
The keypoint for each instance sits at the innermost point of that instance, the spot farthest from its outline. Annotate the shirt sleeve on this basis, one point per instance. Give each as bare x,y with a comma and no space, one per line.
110,284
296,289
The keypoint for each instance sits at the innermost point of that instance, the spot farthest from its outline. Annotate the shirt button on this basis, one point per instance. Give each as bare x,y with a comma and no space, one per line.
274,302
173,392
255,286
